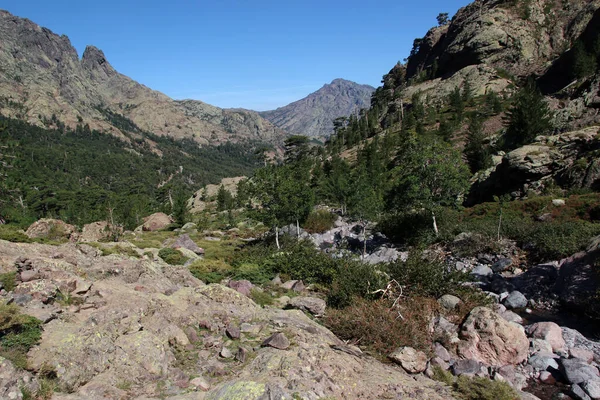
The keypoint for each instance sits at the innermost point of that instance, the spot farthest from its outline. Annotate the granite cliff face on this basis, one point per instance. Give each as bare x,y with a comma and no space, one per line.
314,114
41,75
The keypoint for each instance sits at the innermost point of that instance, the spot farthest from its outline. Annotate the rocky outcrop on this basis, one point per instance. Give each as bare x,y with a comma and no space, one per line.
314,114
42,75
53,229
99,231
146,330
566,160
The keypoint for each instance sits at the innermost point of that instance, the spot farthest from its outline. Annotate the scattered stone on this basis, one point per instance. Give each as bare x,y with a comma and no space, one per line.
548,331
312,305
192,335
413,361
482,270
189,226
577,371
579,393
241,355
502,265
592,388
277,340
283,300
250,328
558,203
226,353
440,363
582,354
276,281
543,363
233,332
298,286
288,285
29,275
540,346
449,301
200,383
490,339
244,287
441,352
466,367
515,300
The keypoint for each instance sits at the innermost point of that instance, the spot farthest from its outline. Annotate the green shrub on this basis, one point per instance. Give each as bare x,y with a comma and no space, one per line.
13,234
18,333
354,279
8,280
484,389
172,256
252,272
122,250
261,298
420,276
555,240
210,271
319,221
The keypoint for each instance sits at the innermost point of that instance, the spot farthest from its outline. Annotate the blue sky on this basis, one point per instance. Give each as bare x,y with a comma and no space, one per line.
256,54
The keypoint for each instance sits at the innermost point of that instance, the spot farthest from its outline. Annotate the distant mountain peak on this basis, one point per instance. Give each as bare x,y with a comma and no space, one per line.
314,114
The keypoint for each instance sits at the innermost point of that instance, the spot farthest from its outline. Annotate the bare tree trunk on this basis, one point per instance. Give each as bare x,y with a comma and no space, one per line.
499,224
435,228
298,229
277,237
364,241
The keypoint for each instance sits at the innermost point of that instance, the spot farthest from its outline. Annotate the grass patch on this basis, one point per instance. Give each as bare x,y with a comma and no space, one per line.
172,256
210,271
18,333
8,280
13,234
262,298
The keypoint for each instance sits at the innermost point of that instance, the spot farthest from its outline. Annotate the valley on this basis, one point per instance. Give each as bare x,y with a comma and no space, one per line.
437,237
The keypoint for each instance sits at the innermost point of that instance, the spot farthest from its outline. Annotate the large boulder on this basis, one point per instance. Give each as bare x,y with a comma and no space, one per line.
550,332
185,242
490,339
99,231
156,222
49,228
312,305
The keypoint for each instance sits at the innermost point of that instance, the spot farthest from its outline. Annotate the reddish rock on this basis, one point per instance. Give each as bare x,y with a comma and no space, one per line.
550,332
278,341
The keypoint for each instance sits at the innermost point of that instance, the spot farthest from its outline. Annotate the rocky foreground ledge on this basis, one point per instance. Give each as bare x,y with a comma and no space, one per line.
128,328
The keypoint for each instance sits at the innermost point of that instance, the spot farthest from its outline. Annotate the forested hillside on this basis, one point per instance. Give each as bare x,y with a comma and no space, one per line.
83,175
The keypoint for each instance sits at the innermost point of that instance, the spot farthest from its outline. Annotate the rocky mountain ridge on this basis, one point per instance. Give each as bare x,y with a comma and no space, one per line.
313,115
41,75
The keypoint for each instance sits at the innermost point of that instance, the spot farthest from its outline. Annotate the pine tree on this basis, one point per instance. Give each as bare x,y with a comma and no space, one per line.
528,117
477,154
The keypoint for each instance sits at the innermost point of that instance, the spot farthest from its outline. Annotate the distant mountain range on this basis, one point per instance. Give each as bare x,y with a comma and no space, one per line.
41,75
314,114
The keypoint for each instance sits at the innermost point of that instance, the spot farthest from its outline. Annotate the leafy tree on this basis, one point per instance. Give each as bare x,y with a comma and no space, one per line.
477,154
366,201
528,117
446,130
336,186
283,196
457,103
429,174
442,19
296,148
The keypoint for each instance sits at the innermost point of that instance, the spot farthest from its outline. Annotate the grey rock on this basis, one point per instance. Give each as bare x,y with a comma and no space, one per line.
225,353
466,367
592,388
482,270
28,275
244,287
512,317
502,265
577,371
312,305
184,241
441,352
582,354
542,363
200,383
515,300
547,378
449,301
233,332
578,393
277,340
241,355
